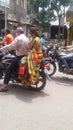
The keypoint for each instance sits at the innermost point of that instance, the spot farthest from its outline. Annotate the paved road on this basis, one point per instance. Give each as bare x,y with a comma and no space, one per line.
51,109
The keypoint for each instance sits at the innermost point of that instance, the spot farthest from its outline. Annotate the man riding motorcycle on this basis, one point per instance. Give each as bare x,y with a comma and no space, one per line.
21,45
8,38
68,50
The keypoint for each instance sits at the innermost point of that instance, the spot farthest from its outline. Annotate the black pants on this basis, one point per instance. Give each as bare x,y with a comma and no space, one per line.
11,68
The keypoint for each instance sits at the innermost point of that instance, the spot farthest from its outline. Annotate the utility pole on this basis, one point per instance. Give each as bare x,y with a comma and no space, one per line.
5,16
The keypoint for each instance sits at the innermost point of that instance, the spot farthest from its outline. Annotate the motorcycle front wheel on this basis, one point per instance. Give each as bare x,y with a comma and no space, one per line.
51,69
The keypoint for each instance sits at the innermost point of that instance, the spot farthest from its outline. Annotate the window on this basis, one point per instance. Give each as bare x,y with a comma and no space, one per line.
17,2
5,3
22,3
12,4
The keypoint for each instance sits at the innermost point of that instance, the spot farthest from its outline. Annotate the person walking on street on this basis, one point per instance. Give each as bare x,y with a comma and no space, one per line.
20,45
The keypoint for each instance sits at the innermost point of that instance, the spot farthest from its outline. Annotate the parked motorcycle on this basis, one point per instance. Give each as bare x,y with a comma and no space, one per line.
5,60
56,57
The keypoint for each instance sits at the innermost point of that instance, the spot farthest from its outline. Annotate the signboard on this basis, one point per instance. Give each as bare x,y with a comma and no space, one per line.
11,17
69,18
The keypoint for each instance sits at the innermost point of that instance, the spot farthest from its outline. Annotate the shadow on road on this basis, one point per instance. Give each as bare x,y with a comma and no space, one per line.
64,80
24,94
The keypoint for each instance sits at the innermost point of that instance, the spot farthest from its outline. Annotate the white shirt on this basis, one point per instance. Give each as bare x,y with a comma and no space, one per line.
20,44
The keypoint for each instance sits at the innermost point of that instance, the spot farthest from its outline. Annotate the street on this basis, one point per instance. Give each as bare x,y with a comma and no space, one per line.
50,109
32,32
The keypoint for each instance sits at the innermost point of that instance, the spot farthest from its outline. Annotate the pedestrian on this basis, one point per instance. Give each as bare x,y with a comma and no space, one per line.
8,38
20,45
43,42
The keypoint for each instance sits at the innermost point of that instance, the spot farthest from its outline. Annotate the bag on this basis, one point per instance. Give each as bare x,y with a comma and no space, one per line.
23,70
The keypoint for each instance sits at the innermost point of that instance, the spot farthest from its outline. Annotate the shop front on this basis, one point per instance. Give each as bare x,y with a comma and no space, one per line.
69,19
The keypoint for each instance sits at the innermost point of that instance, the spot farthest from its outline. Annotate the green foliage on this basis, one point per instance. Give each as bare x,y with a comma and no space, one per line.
57,5
42,11
40,14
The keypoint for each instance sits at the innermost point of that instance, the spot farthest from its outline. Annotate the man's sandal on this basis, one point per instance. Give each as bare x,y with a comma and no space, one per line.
3,89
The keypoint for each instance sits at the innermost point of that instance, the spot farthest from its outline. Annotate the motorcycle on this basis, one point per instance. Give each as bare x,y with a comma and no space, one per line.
55,56
6,59
46,50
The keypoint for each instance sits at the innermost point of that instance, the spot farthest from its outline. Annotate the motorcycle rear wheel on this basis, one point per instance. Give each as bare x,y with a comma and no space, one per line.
40,84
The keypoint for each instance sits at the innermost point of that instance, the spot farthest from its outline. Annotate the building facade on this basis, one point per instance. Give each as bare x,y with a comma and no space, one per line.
13,13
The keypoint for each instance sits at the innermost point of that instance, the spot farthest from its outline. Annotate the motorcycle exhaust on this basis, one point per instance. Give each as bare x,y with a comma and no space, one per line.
45,71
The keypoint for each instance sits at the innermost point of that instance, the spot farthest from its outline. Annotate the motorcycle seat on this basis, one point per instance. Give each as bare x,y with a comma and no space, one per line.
9,56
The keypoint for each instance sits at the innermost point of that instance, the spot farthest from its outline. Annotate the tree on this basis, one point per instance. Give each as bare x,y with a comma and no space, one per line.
59,6
41,13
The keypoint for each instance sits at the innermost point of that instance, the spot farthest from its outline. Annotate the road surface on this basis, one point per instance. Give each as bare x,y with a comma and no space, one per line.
50,109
